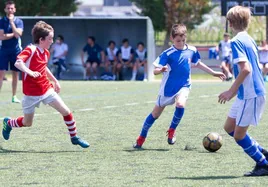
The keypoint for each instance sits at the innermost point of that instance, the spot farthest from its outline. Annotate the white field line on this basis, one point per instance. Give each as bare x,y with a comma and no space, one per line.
113,106
131,104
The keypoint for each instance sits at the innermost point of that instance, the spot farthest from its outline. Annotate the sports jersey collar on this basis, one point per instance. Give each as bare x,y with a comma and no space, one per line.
242,32
6,19
184,48
40,49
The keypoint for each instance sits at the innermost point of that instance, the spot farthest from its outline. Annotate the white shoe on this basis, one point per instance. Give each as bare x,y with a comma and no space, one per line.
145,80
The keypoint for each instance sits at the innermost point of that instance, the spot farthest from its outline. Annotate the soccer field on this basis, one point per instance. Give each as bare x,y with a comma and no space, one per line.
109,116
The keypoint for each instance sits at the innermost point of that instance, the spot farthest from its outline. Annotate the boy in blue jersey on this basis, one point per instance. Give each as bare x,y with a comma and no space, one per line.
175,64
249,88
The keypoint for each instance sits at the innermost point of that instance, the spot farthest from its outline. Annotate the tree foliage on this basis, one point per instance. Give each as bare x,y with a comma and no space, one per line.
42,7
164,13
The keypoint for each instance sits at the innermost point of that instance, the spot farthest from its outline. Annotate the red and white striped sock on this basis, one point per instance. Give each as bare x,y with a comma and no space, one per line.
70,122
15,123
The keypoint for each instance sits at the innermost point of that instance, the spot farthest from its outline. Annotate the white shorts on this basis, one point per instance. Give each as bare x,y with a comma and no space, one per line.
164,101
247,112
30,102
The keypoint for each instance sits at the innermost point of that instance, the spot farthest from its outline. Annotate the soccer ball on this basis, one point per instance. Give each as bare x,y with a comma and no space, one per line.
212,142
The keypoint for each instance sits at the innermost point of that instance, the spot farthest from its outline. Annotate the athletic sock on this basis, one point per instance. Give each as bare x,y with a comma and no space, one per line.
15,123
145,76
252,150
176,117
261,149
70,122
134,74
147,125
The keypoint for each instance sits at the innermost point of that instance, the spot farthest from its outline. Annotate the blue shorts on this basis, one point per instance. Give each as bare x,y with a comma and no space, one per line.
9,56
126,60
91,61
226,59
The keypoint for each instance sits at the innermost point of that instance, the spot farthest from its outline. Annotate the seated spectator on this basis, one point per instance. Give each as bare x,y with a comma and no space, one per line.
59,52
141,61
125,57
111,59
263,55
95,57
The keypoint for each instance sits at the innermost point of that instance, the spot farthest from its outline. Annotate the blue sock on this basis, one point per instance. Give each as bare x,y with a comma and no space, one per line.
147,125
176,118
252,150
255,142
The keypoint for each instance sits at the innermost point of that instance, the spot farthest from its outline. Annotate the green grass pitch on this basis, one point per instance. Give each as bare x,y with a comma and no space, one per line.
109,116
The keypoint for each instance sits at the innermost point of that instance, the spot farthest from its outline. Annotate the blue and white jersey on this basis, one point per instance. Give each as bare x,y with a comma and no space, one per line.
244,49
178,74
141,55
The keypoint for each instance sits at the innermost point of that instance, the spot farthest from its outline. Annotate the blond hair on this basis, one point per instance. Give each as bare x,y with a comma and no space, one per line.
41,30
239,17
178,29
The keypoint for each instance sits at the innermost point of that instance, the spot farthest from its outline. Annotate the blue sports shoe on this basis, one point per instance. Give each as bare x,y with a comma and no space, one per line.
6,129
76,140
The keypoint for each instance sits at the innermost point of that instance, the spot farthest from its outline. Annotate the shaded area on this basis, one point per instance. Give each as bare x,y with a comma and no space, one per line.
204,177
9,151
143,149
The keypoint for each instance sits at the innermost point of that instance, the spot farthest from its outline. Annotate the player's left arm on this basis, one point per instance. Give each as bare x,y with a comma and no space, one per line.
17,30
210,71
53,79
197,63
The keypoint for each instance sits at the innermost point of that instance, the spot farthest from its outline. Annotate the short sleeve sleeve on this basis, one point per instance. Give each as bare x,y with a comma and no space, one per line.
99,48
25,54
132,51
161,61
19,24
65,47
145,55
85,48
118,52
238,52
196,57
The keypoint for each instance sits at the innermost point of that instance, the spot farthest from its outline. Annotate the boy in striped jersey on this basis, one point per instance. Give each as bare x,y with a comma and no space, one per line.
37,88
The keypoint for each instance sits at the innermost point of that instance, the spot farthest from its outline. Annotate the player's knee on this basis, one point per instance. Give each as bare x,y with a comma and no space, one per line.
239,135
156,114
180,105
65,112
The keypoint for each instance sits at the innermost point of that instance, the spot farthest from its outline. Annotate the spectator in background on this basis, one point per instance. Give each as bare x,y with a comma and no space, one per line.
263,55
225,49
96,56
111,59
141,61
125,56
11,29
59,51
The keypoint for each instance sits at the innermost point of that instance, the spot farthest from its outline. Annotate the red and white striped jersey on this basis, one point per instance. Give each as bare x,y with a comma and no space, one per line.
35,59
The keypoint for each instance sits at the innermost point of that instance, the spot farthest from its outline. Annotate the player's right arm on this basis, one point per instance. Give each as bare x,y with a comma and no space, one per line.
4,36
239,58
160,64
20,63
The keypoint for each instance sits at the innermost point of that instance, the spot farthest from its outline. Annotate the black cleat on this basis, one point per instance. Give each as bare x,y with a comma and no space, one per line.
259,170
265,153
